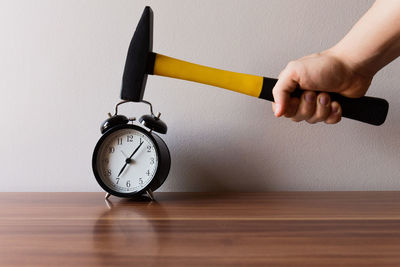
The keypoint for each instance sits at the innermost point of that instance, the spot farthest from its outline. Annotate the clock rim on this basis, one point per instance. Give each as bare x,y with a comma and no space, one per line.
96,150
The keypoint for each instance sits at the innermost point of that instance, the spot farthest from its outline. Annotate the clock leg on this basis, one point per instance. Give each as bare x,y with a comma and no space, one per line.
109,204
150,194
107,195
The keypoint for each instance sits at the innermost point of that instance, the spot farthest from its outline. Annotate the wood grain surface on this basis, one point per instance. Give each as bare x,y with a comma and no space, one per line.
201,229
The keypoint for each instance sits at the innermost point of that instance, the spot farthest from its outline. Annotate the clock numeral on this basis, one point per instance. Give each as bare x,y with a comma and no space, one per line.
128,183
111,149
106,161
148,148
140,181
117,180
107,172
119,141
148,172
151,161
129,138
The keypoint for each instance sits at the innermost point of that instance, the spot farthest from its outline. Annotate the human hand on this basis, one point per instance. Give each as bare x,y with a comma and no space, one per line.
322,72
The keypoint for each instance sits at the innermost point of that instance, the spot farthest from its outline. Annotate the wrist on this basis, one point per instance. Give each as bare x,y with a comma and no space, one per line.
353,61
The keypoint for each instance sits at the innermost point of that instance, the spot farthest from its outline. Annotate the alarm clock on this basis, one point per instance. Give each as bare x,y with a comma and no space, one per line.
130,160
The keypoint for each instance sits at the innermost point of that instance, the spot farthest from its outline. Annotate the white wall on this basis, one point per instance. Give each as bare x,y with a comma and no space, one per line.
61,64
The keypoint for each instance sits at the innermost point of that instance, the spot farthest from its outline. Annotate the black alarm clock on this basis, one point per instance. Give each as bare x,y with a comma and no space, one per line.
130,160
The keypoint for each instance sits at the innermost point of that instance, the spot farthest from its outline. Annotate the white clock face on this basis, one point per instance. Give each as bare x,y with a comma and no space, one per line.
127,160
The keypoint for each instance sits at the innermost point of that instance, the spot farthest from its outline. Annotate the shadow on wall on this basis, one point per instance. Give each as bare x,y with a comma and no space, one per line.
226,163
384,139
226,158
219,168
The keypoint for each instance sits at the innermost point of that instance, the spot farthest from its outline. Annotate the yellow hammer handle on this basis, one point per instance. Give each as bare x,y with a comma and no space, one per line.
367,109
179,69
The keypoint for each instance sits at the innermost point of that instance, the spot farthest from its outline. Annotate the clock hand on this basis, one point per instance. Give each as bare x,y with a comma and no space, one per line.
123,154
133,153
123,168
128,160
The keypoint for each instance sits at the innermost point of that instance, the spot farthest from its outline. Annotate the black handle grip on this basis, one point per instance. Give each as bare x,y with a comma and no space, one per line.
366,109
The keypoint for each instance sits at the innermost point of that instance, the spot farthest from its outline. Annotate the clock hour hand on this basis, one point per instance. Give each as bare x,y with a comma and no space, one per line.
128,160
123,154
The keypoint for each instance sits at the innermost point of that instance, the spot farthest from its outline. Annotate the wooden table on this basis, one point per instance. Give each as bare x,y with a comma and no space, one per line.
201,229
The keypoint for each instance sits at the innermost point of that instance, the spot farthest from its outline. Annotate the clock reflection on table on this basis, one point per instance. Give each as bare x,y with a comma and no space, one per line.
130,230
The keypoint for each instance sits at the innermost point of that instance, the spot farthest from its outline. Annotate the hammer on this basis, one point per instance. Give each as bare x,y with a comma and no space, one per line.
141,61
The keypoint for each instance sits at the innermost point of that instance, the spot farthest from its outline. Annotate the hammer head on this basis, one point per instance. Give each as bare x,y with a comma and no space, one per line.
135,72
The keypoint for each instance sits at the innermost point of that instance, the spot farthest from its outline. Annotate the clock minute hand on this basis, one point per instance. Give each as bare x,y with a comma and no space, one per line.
123,168
128,160
133,153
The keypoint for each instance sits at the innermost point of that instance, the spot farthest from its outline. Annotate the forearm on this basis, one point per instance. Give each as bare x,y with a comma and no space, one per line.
375,39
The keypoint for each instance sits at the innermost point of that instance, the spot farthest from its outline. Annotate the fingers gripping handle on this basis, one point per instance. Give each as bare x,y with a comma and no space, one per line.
366,109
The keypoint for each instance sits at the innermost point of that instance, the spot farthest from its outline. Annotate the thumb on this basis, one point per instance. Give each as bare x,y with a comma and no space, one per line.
285,85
